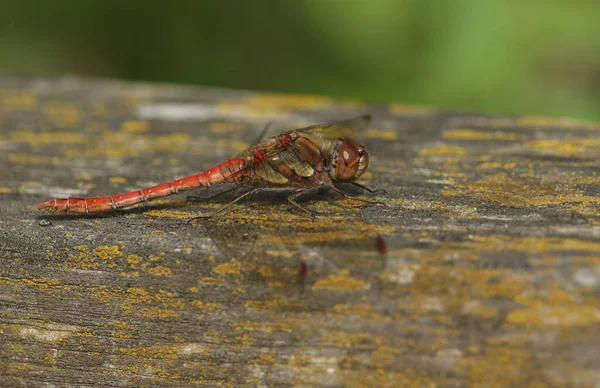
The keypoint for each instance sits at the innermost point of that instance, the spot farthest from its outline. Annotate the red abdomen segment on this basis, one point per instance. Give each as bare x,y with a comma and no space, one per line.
225,172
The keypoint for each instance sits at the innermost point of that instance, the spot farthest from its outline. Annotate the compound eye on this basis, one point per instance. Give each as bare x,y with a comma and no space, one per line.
363,162
348,160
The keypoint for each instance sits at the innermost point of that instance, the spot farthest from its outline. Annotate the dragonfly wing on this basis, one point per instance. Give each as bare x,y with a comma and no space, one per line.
290,157
278,164
270,174
339,129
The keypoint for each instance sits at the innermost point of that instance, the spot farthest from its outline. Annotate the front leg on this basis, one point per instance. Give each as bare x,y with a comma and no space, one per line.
372,191
346,196
251,192
300,193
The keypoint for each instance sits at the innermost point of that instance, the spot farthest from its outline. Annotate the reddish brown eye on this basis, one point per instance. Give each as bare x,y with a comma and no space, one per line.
349,160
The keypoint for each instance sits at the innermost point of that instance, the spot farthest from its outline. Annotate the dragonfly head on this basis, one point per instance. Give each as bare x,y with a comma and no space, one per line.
348,159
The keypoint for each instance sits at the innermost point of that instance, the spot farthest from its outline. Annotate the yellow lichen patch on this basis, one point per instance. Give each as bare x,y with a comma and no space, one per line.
383,357
99,110
80,258
83,177
353,230
496,166
362,310
443,150
161,305
133,260
135,97
237,109
382,134
27,159
360,377
340,282
542,315
266,102
45,138
116,180
439,281
119,325
14,367
135,126
239,291
267,359
206,306
52,357
532,244
6,190
502,365
211,280
245,339
406,110
265,271
175,142
155,351
223,127
17,348
42,284
271,304
478,309
473,134
159,270
550,305
159,313
565,123
63,114
108,253
230,268
158,257
103,294
525,193
236,145
162,213
587,208
570,147
18,99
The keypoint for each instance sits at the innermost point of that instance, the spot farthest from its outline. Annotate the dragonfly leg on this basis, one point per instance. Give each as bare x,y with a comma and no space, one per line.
251,192
292,200
340,192
199,198
219,210
372,191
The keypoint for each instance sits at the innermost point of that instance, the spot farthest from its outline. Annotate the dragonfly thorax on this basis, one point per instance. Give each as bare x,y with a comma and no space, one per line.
348,160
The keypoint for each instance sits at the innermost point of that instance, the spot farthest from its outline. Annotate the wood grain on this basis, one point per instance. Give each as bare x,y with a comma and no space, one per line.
491,274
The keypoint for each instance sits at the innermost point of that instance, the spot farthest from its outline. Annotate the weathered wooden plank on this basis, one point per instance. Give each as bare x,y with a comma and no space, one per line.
491,275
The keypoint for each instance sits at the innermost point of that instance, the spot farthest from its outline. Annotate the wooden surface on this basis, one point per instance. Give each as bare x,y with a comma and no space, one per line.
491,275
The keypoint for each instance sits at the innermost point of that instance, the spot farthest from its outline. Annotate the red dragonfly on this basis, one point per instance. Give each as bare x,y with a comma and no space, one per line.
302,161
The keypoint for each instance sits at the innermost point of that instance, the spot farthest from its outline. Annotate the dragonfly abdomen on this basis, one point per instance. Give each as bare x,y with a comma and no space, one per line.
224,172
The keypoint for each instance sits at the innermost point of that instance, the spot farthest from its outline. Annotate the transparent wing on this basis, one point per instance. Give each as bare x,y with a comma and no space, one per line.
268,173
329,131
291,159
339,129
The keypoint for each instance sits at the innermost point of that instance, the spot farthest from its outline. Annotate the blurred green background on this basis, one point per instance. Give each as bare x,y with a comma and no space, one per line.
515,57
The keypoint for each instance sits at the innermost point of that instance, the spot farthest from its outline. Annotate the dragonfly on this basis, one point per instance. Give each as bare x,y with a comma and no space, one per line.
301,161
